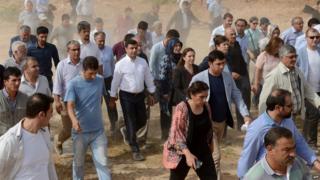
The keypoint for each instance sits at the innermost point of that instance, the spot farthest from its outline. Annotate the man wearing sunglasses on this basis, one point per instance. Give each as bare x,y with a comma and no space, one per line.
287,76
309,62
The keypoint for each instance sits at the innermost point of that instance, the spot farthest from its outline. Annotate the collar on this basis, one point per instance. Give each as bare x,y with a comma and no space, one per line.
69,61
23,79
270,121
294,30
130,59
270,171
5,92
283,68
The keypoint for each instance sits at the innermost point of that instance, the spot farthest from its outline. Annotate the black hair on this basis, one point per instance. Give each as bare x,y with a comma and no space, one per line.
313,21
243,20
42,30
197,87
172,33
82,25
38,103
90,62
143,25
128,36
215,55
274,134
277,97
130,41
11,71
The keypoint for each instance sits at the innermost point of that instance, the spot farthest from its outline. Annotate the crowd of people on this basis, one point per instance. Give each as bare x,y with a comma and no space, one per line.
146,67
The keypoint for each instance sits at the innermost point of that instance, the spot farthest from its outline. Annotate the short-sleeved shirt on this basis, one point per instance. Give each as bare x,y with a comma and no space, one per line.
86,95
41,86
267,63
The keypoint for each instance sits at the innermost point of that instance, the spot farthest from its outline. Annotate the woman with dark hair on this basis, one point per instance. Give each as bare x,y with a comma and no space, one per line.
266,61
222,44
167,65
191,137
183,74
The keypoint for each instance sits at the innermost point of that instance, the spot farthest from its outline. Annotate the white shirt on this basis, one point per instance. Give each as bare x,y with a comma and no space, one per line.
217,31
314,66
108,37
130,75
85,7
90,49
36,157
41,86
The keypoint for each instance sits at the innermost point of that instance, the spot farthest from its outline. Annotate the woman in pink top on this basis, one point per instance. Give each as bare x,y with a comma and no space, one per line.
266,61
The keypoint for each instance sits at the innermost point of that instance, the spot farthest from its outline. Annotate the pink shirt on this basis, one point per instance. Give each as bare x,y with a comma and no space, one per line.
267,63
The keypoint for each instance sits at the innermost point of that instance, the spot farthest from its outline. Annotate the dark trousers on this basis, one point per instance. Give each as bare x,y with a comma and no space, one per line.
112,112
206,172
243,85
310,127
134,114
165,117
49,78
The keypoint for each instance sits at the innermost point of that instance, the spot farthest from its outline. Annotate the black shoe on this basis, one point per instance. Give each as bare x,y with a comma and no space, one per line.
137,156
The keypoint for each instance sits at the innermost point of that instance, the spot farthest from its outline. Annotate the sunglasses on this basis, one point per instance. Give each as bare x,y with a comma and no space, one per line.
314,37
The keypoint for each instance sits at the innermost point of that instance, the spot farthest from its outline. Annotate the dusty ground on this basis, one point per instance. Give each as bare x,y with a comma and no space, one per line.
121,165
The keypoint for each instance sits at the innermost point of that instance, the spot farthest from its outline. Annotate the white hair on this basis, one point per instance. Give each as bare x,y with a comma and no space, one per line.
15,45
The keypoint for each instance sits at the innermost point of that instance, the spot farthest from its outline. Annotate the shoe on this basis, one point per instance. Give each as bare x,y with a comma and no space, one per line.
137,156
57,146
123,131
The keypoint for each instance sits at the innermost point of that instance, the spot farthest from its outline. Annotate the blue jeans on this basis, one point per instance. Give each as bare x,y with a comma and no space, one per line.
98,143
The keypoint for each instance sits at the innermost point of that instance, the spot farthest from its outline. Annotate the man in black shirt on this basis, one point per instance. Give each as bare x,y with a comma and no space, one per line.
239,71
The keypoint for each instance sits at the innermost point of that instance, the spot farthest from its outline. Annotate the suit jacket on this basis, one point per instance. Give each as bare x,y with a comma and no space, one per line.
280,78
303,60
233,94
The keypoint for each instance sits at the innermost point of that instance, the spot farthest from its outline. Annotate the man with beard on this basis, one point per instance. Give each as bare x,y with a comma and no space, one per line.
278,114
280,160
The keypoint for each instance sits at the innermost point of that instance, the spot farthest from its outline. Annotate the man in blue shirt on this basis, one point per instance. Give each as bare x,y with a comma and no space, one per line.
108,63
44,52
83,97
278,113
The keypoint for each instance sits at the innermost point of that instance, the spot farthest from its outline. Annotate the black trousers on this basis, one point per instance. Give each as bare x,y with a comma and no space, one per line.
112,112
206,172
134,114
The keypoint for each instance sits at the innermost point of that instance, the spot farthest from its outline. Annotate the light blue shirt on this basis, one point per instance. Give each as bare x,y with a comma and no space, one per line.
253,146
156,55
87,94
290,36
107,61
244,42
66,71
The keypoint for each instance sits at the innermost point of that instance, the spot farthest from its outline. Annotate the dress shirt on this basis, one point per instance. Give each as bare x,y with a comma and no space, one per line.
290,35
262,170
119,50
253,146
107,61
253,37
217,31
301,41
90,49
243,41
41,86
44,56
108,36
66,71
130,75
156,55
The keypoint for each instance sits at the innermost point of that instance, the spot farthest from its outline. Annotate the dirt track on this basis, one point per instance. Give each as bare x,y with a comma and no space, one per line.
122,167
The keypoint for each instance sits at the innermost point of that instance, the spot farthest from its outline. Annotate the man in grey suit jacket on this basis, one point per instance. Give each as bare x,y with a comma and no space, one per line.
309,62
222,92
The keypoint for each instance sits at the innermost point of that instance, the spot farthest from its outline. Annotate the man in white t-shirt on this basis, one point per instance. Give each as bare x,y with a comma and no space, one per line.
227,22
25,149
309,63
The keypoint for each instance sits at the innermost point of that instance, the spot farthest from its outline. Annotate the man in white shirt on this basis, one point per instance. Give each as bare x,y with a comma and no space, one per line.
25,149
31,81
88,47
309,63
227,22
130,75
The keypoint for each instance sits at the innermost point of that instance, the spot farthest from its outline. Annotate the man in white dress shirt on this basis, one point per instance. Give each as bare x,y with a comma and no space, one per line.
227,22
130,75
31,81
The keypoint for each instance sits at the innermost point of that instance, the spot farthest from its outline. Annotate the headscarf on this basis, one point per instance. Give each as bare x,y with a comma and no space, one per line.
169,50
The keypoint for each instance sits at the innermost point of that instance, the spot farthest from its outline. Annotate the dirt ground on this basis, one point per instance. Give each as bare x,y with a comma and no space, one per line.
120,163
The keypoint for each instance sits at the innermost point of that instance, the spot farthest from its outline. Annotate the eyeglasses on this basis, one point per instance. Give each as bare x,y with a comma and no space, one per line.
314,37
292,56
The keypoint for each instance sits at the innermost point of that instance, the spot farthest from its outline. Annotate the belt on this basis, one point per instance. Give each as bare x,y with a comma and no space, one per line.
132,94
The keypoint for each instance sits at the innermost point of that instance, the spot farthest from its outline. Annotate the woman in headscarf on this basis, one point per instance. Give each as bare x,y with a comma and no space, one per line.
273,31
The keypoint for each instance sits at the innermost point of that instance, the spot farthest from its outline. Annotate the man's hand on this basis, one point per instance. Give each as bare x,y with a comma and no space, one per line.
235,76
76,126
151,100
59,107
112,103
255,89
247,119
